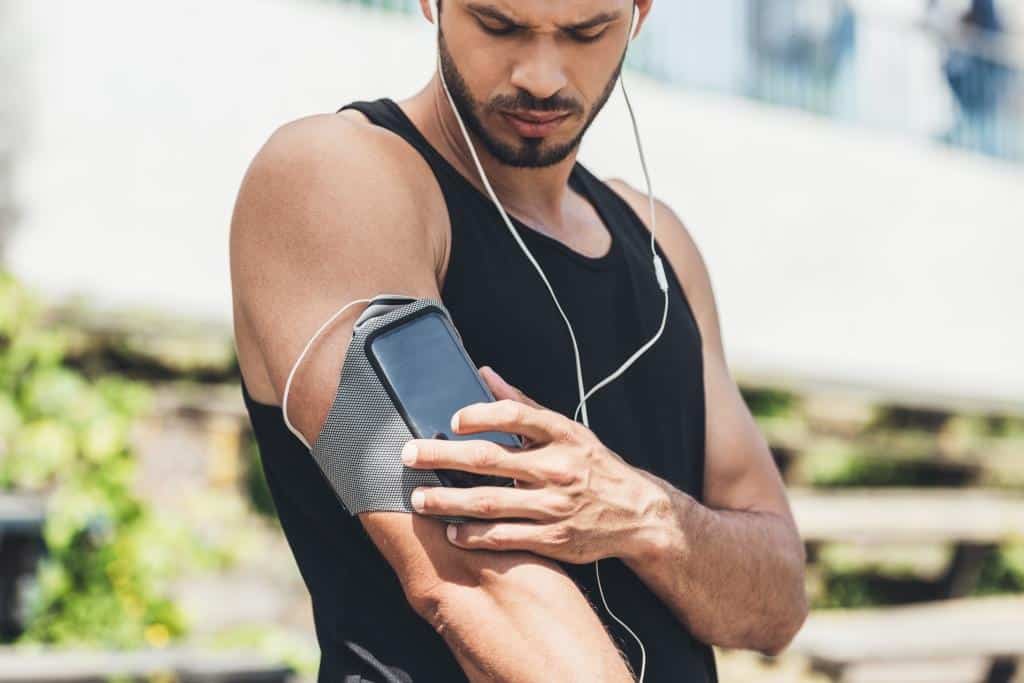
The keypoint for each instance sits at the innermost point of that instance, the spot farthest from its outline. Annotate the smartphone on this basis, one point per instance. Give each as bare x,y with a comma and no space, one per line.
422,364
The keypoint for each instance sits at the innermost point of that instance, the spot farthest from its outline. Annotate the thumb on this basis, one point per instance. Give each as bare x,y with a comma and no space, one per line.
502,389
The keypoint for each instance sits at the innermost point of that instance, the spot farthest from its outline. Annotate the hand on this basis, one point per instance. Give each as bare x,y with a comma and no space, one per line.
575,500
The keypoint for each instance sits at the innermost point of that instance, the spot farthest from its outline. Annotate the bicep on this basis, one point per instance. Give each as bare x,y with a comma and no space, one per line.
312,229
323,218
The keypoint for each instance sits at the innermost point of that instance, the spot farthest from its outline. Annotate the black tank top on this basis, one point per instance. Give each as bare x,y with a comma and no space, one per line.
652,416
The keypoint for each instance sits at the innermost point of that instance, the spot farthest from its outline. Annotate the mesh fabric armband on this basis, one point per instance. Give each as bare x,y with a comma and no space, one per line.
359,445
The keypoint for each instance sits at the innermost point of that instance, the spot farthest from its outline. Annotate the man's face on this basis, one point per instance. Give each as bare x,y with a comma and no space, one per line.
538,66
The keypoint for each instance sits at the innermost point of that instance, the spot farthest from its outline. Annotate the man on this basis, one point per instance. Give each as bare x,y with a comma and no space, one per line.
672,495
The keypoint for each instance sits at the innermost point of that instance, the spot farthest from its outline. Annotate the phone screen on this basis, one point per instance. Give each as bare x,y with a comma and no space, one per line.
431,377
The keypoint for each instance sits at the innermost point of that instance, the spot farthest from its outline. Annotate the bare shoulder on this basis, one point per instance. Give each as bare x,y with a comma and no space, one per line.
334,159
329,210
672,235
682,252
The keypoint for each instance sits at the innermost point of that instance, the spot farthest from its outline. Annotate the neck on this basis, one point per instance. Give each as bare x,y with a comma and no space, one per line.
533,195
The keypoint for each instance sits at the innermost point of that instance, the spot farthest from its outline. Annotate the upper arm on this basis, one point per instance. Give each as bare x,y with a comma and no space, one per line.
328,212
740,473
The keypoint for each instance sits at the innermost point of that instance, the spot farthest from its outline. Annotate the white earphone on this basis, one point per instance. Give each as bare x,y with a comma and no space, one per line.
659,273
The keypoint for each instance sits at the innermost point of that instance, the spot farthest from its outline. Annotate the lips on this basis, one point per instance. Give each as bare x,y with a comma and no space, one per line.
534,127
534,117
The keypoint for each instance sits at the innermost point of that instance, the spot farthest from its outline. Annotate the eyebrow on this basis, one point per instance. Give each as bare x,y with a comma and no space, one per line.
495,13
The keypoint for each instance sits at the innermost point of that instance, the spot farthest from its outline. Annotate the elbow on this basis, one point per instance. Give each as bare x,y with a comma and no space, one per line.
789,614
789,624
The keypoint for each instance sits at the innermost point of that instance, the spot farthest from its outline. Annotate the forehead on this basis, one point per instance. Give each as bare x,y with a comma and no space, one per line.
534,12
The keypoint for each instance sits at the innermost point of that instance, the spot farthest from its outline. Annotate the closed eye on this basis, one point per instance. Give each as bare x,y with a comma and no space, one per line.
509,29
586,39
503,31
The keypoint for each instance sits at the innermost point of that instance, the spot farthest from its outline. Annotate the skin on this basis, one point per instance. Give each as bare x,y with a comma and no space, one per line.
333,208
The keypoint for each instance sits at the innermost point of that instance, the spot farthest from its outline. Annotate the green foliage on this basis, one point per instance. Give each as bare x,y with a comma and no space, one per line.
768,402
851,588
848,585
1003,571
103,581
851,470
256,488
845,590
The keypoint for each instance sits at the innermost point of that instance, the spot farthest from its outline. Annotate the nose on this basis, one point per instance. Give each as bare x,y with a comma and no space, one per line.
539,72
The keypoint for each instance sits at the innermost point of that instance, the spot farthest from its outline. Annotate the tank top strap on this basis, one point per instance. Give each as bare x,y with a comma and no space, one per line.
470,210
386,113
622,219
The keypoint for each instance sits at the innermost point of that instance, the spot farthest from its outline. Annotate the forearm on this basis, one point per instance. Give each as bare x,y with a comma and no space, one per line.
734,578
525,623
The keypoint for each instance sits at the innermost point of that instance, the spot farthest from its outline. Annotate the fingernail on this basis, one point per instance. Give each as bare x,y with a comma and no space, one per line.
451,531
409,453
417,499
455,422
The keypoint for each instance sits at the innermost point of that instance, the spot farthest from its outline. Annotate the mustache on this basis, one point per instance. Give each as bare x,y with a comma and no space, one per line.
520,103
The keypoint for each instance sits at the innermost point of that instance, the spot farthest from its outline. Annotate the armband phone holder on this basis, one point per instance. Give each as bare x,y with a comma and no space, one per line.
359,445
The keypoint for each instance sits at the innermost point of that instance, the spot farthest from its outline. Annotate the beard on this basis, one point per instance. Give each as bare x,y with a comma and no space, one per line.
531,152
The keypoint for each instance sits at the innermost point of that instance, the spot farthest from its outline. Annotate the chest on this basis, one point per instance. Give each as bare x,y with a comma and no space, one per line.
653,414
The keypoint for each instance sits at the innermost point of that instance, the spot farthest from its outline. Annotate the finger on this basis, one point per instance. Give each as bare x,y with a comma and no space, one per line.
540,425
502,389
472,455
486,502
498,535
498,388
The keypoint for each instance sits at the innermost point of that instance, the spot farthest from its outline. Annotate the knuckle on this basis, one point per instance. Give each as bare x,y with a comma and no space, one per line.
485,455
484,505
561,535
566,430
562,506
563,472
511,411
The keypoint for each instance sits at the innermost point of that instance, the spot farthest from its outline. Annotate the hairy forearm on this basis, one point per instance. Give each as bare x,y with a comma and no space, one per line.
734,578
524,624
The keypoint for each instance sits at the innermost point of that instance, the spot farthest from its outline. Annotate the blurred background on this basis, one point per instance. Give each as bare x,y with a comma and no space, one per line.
852,170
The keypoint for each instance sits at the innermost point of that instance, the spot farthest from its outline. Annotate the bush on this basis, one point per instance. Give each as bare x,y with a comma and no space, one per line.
103,581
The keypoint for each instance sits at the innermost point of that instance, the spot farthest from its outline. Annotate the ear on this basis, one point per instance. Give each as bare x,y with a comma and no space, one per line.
428,8
641,8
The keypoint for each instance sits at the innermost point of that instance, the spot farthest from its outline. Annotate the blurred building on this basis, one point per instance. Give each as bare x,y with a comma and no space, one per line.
802,141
